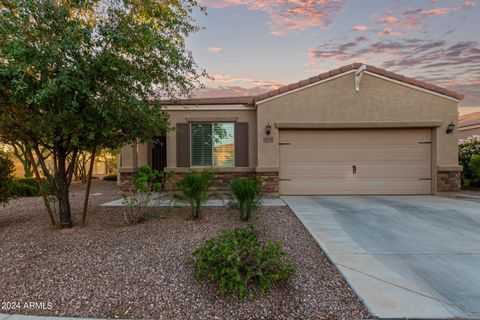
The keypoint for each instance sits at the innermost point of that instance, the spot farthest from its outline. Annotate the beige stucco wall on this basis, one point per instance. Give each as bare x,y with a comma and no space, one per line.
379,100
471,131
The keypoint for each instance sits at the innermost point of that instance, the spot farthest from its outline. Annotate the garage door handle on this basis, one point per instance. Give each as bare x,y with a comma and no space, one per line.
354,168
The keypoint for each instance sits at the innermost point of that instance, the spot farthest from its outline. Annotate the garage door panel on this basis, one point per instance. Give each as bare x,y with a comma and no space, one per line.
394,161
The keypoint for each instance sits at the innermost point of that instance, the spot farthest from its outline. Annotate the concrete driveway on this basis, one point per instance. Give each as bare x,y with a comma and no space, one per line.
405,256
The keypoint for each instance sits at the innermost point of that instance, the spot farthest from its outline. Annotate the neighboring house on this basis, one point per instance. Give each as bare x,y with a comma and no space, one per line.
469,125
354,130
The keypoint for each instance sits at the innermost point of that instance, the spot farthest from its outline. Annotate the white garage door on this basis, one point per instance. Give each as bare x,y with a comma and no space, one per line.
396,161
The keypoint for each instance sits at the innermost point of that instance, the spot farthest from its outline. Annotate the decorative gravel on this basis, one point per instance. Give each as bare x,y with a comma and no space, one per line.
111,270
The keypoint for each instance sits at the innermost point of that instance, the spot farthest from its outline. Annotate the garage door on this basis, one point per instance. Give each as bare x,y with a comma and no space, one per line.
396,161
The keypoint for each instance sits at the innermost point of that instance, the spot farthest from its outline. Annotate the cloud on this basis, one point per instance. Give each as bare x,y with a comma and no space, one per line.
453,65
469,4
228,91
214,49
360,28
287,16
226,79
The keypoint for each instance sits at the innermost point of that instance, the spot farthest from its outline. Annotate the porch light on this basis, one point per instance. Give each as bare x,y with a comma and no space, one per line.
268,129
450,127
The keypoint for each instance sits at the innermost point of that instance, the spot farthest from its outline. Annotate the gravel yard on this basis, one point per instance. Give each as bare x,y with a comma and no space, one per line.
111,270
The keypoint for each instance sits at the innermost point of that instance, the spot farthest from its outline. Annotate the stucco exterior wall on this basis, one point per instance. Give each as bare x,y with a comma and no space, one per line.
471,131
336,101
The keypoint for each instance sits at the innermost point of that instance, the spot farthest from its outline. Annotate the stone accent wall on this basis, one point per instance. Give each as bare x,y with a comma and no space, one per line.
448,181
221,180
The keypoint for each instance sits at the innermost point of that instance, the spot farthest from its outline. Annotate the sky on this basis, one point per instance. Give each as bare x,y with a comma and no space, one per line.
253,46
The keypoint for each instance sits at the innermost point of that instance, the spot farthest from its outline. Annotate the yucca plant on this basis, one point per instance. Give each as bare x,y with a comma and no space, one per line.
247,195
193,190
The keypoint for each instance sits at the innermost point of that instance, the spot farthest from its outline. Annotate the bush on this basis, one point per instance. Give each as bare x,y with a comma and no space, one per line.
110,177
6,177
247,195
469,149
28,187
193,190
241,263
145,182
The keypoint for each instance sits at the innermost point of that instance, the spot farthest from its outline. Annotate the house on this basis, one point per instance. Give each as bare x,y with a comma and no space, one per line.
357,129
469,125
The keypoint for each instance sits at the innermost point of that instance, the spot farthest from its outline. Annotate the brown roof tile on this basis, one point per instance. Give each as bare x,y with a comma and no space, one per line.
470,119
373,69
213,101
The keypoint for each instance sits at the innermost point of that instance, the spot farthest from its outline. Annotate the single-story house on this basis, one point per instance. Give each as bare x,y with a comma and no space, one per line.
354,130
469,125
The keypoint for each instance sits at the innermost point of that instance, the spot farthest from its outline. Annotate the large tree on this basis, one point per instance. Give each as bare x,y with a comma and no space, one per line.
84,75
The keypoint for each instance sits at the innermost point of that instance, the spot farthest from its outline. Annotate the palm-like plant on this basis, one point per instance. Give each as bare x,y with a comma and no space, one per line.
247,195
193,190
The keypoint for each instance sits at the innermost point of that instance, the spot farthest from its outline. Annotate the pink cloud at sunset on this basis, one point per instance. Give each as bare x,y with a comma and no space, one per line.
288,16
214,49
360,28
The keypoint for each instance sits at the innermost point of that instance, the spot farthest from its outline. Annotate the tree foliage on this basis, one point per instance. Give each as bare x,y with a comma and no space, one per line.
75,75
6,177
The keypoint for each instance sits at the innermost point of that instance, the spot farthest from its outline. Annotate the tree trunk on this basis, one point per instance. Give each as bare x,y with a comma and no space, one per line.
41,187
89,182
64,212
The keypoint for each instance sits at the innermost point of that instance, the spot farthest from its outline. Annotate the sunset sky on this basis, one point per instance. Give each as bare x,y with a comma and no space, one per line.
252,46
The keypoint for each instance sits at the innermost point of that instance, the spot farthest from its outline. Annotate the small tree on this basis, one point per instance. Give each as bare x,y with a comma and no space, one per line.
193,190
6,177
247,195
145,183
81,76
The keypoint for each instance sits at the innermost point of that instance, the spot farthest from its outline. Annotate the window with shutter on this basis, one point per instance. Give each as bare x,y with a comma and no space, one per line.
213,144
201,145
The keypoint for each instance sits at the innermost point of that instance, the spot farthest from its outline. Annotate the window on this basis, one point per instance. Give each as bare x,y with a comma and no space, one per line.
213,144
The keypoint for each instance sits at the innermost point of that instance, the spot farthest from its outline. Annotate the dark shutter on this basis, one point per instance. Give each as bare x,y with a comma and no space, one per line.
183,145
241,144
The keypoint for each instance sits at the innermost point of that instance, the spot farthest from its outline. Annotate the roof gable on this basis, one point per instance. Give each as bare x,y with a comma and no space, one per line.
349,68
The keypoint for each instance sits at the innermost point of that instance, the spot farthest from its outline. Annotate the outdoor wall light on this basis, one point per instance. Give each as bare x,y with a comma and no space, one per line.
450,127
268,129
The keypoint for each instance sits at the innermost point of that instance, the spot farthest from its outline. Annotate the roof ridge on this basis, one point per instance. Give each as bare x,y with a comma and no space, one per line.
354,66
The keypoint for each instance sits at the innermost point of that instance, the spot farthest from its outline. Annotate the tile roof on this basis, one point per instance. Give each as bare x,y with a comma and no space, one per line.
354,66
312,80
470,119
212,101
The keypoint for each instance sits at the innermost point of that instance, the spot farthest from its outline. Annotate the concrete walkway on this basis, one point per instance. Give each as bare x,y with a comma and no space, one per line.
210,203
405,256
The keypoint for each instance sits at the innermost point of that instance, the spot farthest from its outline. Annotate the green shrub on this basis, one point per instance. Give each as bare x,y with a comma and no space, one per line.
6,177
241,263
145,182
110,177
28,187
468,149
247,195
193,190
22,189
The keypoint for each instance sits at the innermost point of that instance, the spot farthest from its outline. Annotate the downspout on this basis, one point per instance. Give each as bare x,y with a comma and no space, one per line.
358,76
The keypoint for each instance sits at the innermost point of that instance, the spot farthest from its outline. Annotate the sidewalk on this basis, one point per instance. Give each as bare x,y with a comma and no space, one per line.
210,203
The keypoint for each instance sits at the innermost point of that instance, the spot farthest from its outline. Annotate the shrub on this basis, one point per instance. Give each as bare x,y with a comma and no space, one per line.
28,187
241,263
247,195
6,177
110,177
145,182
468,149
193,190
